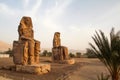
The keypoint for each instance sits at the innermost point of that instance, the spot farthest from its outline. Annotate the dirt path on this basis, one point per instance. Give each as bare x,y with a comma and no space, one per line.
89,71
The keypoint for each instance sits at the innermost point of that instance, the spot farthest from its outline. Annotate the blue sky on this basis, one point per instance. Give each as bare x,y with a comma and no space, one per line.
76,20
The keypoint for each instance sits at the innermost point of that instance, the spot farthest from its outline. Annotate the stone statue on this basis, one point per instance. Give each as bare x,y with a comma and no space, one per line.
59,52
26,50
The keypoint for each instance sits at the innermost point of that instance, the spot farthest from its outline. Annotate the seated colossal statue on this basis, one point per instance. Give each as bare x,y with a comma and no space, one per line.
26,50
59,52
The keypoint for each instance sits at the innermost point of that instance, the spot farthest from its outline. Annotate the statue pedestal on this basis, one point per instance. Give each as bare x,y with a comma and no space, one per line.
34,69
69,61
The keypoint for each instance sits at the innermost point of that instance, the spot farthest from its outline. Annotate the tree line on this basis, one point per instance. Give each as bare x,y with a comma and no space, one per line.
46,53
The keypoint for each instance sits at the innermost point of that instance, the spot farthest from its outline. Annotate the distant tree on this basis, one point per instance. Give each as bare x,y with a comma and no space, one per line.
71,55
44,53
49,54
9,51
89,54
78,54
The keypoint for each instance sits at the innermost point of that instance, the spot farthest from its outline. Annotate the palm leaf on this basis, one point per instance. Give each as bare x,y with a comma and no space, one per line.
108,51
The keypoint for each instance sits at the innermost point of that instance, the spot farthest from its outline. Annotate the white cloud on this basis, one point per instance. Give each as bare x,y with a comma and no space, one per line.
78,36
36,7
49,23
58,9
74,36
33,12
108,18
4,9
25,3
52,15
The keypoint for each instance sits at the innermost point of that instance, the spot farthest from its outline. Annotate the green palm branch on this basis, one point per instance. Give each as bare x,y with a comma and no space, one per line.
108,51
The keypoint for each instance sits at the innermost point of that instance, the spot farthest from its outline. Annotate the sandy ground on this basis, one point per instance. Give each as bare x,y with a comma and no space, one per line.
90,69
83,69
3,78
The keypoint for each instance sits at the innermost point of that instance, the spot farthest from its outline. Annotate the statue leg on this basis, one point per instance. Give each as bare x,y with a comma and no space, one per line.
65,53
37,51
56,54
61,53
25,53
31,51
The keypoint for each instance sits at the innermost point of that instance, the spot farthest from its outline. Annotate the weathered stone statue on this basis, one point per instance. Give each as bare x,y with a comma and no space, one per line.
59,52
26,50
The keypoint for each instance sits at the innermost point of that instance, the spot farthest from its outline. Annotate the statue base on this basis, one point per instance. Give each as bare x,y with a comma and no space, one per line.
34,69
69,61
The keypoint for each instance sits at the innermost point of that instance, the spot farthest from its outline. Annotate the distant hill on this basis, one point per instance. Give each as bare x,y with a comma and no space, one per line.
4,46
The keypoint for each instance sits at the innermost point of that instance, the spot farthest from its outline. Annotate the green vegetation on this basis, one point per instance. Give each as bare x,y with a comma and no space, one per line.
89,54
78,54
71,55
45,53
108,51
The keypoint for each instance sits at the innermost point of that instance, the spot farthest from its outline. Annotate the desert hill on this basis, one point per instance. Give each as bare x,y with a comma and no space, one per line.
4,46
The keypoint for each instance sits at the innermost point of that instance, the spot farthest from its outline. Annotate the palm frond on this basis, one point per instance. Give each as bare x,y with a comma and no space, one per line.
108,51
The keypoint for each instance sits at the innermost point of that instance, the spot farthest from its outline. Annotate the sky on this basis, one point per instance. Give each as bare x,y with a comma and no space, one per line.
76,20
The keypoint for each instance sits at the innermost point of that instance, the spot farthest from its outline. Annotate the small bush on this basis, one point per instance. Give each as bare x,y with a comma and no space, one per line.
71,55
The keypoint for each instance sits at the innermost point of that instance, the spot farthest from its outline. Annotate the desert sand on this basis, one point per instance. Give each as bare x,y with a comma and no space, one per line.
89,70
83,69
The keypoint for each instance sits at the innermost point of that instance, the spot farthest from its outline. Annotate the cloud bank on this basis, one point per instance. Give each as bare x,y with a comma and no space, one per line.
65,16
